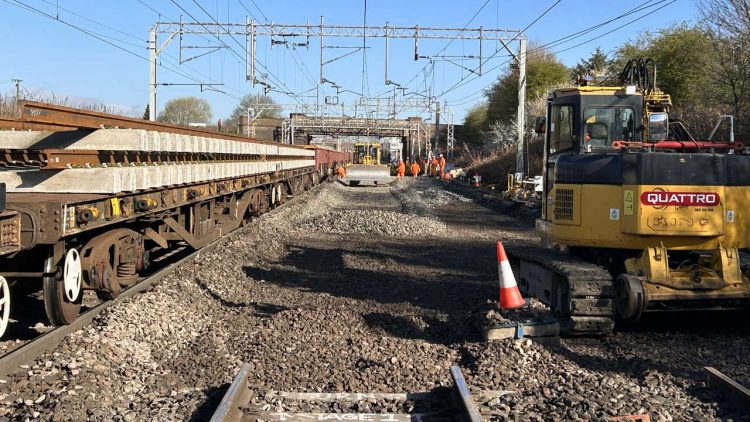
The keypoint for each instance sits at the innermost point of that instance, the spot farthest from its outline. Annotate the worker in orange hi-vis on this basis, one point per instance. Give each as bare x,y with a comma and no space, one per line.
414,170
341,172
442,166
435,164
401,169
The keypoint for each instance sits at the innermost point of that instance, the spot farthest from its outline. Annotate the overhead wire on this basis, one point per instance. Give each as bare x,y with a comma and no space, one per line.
95,35
450,41
641,7
618,28
497,50
90,33
427,71
171,67
270,74
238,56
175,60
91,20
261,12
301,63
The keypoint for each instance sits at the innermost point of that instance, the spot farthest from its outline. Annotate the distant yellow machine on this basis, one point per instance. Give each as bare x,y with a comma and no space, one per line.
367,169
650,219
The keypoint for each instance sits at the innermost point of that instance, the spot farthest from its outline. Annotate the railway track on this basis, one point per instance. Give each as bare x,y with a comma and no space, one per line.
454,403
26,353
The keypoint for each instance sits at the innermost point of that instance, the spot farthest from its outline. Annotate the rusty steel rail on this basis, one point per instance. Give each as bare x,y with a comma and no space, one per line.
25,354
736,392
12,123
466,401
10,362
237,395
463,409
73,118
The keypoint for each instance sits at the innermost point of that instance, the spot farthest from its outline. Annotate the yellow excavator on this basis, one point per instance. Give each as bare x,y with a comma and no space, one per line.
366,169
638,215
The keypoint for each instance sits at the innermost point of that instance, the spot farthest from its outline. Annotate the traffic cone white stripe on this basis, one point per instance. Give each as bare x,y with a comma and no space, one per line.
507,279
510,296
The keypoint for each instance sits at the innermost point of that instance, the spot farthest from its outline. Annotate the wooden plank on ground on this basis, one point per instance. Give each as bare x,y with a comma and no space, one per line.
370,417
333,397
548,329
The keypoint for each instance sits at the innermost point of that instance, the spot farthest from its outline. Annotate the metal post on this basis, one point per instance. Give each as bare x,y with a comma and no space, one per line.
179,53
450,136
321,50
247,48
152,75
291,134
521,117
386,53
18,88
446,112
250,112
437,124
252,51
480,50
18,95
416,43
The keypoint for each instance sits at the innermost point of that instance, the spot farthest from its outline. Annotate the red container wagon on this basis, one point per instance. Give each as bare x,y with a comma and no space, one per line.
327,159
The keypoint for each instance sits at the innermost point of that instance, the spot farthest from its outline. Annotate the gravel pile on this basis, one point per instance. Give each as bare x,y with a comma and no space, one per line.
397,212
421,196
435,196
374,222
559,384
317,337
314,311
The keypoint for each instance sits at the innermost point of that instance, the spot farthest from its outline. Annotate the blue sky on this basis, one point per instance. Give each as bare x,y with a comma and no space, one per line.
52,57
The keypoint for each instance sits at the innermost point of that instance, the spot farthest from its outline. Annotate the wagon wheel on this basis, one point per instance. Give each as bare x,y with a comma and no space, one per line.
4,305
62,288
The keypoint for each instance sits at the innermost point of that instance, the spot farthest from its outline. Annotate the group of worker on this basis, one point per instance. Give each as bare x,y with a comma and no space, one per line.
434,167
413,168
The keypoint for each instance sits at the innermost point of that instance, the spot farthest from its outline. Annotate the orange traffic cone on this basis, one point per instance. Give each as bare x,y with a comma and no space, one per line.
510,296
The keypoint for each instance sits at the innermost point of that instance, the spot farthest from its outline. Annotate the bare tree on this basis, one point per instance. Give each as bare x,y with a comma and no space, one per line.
727,17
186,110
263,105
728,24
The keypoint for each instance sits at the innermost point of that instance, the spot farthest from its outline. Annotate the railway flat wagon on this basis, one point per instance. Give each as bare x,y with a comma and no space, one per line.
88,197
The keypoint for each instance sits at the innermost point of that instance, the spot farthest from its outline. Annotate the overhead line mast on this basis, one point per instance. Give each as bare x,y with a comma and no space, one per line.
280,33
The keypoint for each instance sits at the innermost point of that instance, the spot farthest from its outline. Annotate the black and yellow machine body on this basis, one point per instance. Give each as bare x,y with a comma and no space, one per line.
366,169
629,191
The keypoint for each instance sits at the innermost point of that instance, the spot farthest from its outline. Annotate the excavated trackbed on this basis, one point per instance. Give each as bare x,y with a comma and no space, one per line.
366,290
